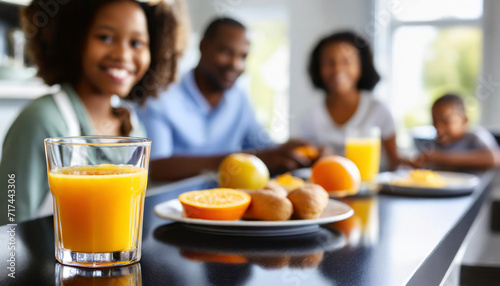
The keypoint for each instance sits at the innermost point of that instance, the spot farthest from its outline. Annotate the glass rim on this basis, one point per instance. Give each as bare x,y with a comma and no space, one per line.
100,141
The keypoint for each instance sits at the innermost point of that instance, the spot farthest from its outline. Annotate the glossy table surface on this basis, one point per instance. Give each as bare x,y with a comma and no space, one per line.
390,240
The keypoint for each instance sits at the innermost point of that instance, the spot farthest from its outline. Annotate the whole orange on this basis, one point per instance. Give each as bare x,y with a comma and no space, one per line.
337,175
242,171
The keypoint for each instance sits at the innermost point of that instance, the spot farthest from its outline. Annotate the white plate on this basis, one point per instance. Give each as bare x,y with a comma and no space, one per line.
303,173
334,211
457,184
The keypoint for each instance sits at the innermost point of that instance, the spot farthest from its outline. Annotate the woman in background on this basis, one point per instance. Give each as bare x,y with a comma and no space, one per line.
342,66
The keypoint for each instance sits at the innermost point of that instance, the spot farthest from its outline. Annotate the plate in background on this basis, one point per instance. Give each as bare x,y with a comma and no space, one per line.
304,173
458,184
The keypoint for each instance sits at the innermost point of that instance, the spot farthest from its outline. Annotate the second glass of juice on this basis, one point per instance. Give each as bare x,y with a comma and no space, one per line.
98,186
362,146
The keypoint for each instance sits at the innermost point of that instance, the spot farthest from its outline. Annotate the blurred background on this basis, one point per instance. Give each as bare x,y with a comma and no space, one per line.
422,50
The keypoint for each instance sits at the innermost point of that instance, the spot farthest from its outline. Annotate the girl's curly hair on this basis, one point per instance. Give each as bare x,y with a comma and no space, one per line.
57,30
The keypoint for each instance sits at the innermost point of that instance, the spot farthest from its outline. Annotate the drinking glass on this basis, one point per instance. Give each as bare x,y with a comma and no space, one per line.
362,146
98,186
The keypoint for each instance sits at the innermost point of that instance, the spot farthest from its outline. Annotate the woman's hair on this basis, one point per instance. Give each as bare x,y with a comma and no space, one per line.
369,76
57,31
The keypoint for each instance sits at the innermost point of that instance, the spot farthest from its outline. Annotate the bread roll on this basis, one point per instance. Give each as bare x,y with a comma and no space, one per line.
308,202
277,188
268,205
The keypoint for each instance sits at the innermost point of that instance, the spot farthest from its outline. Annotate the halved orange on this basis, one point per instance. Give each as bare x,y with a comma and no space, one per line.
217,204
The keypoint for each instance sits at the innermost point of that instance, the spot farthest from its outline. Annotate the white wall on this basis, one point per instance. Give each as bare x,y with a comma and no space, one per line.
310,21
488,92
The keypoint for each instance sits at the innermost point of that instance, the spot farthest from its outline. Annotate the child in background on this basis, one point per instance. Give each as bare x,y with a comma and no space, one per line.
455,146
93,49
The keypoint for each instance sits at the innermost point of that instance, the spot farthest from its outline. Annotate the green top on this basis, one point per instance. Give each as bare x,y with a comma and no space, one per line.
24,153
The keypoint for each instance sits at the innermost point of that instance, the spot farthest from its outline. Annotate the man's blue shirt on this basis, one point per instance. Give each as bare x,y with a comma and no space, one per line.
182,122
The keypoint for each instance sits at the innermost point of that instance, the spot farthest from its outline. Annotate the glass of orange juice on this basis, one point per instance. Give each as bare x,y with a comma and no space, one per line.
362,146
98,184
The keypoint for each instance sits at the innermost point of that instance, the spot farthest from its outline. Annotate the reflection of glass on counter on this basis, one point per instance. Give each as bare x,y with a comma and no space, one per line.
362,228
124,276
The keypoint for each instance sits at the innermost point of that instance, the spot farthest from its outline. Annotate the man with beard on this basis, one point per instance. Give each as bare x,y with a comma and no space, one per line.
205,117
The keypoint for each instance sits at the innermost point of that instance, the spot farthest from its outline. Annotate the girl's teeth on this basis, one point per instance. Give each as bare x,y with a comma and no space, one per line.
119,73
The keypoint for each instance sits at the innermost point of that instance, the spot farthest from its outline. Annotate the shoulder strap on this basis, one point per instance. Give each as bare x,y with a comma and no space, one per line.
68,113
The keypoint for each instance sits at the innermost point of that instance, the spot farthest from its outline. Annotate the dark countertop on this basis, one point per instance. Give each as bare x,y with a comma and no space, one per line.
390,240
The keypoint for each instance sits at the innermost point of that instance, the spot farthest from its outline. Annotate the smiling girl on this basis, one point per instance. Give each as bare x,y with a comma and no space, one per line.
342,66
95,50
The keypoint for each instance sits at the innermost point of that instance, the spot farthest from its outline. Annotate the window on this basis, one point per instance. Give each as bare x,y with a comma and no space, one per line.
267,74
428,48
432,10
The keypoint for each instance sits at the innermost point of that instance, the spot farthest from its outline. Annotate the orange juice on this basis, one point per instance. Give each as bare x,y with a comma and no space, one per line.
363,225
98,208
365,153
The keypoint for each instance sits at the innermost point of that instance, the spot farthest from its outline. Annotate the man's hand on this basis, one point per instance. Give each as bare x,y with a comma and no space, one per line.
282,158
